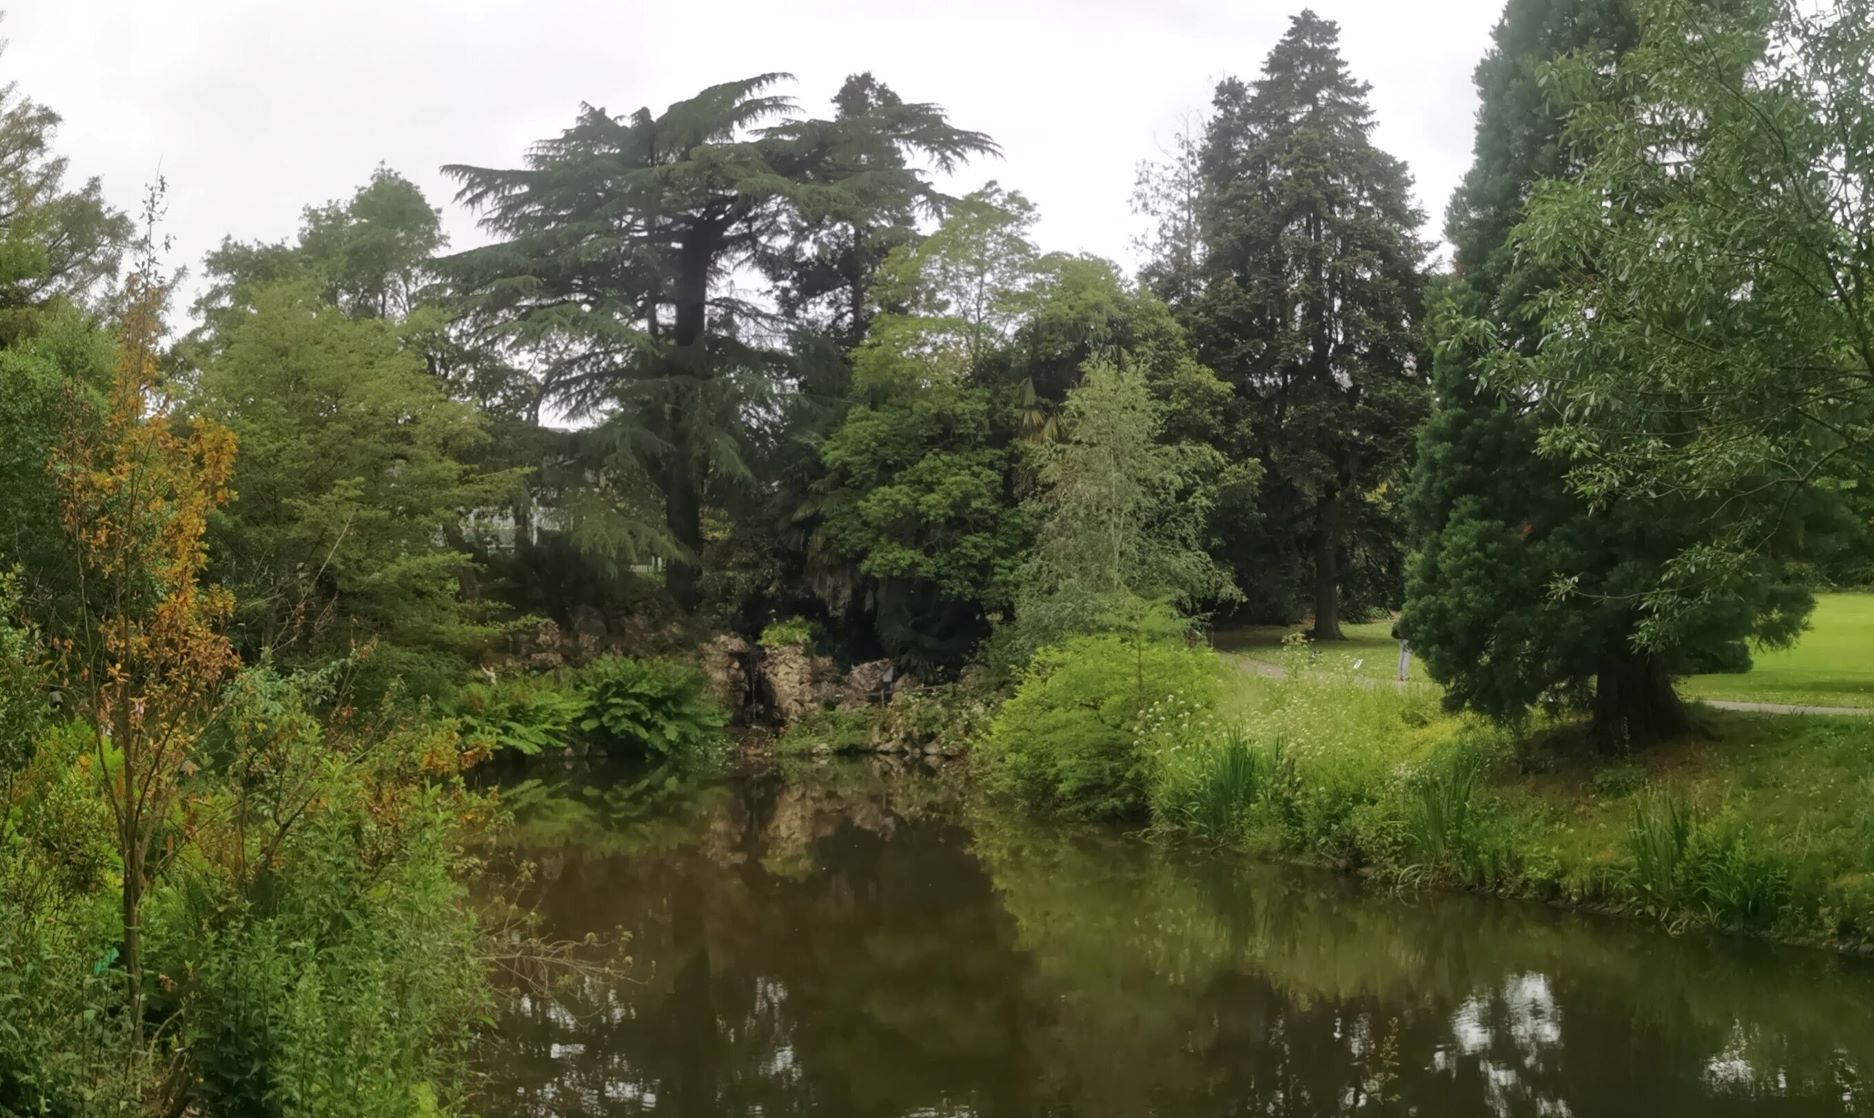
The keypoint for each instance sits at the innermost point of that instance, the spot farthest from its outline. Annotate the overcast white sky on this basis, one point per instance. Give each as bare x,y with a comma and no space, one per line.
254,108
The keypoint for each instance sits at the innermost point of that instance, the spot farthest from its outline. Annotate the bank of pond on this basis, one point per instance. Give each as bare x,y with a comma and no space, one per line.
1749,823
875,936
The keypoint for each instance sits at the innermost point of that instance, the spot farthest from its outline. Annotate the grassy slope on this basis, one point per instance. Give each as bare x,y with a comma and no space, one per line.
1781,841
1832,664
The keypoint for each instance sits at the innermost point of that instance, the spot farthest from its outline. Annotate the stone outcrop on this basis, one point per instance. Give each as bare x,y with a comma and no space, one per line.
727,661
796,681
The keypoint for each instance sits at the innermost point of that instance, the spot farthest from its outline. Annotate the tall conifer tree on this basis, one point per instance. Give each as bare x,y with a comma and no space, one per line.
1311,285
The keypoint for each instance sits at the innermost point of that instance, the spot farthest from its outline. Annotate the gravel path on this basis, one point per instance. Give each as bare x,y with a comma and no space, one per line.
1782,708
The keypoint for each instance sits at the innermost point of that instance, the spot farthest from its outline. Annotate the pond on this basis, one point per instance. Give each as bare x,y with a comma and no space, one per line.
860,939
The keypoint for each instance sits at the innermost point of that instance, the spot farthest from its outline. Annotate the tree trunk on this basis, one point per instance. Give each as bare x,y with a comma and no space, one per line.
683,515
682,467
1327,571
131,850
133,941
1635,705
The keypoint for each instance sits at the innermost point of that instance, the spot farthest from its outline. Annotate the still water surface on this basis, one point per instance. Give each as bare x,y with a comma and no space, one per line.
855,939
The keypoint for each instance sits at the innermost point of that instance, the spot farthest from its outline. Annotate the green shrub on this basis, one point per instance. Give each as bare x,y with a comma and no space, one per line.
401,673
837,731
526,715
1617,781
62,831
654,708
1070,739
792,632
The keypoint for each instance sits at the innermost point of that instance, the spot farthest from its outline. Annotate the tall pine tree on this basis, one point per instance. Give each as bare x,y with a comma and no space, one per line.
1311,286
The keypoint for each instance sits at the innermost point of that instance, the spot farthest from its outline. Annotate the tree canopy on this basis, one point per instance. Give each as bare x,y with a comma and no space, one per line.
620,233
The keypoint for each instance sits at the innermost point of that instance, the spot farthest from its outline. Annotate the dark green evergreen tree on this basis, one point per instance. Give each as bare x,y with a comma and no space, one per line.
1312,283
60,253
57,244
824,263
1518,590
620,236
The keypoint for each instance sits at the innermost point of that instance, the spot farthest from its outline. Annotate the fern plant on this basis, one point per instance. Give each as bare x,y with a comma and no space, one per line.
527,715
652,707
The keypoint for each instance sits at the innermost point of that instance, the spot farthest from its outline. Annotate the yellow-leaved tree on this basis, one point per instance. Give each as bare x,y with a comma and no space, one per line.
147,660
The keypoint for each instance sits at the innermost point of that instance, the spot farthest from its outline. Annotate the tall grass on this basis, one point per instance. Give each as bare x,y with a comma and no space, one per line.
1686,864
1740,885
1320,771
1229,782
1659,845
1440,816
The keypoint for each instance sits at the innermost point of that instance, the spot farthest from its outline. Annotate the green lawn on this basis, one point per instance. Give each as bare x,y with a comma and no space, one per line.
1371,646
1832,664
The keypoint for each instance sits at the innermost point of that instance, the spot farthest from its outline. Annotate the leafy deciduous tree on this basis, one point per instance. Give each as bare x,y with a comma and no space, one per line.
351,481
1710,337
1121,517
1521,587
149,657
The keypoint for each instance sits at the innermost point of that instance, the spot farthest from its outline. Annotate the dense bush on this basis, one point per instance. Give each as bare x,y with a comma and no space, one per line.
62,1034
946,719
792,632
348,987
653,708
308,931
332,960
1069,739
1324,768
818,730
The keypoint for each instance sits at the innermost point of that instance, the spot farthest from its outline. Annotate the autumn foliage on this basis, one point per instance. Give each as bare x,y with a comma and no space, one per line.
150,657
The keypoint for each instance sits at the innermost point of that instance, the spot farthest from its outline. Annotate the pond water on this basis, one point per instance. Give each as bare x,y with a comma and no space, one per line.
857,939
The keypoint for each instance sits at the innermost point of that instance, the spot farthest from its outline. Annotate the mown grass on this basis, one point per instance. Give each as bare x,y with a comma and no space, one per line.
1757,823
1371,646
1831,664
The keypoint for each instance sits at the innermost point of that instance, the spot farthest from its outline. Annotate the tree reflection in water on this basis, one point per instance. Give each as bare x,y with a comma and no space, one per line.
857,939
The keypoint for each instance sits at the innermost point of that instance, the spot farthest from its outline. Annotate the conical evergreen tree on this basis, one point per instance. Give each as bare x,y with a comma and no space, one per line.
1311,285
